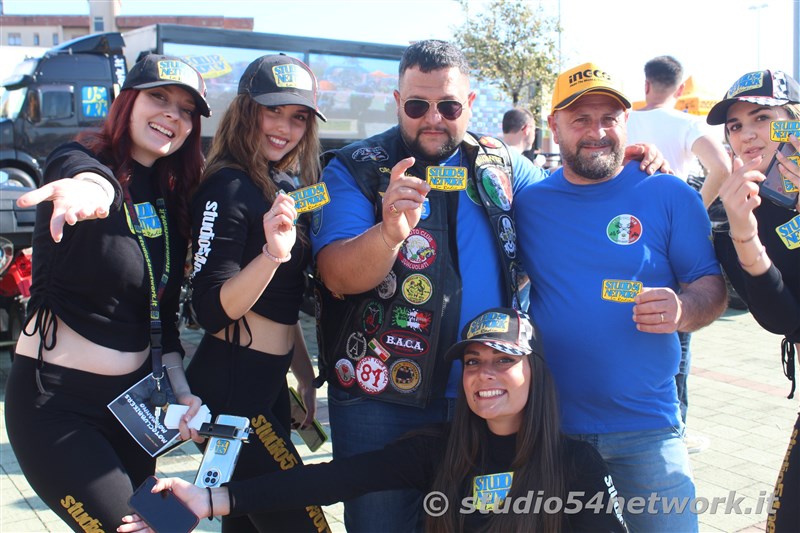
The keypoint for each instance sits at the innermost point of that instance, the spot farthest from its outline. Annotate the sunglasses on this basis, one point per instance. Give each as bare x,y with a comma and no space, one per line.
448,109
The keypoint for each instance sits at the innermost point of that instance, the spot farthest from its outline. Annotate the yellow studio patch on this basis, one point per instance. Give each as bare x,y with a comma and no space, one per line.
446,178
490,490
779,130
621,290
488,323
310,198
789,233
177,71
788,186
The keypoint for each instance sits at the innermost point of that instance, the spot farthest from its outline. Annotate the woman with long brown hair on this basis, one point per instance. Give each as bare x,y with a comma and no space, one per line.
248,270
104,298
502,464
760,252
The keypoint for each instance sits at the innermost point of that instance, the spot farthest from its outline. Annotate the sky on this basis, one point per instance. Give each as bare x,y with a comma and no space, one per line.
716,40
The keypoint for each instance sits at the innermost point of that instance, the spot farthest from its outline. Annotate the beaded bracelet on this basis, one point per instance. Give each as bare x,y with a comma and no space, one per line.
210,503
742,241
756,260
380,229
265,250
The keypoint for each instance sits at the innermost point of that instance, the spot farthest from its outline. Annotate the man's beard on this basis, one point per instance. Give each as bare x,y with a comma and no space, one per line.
415,147
596,166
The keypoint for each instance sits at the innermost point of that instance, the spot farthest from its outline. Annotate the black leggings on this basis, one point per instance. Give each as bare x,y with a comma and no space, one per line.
238,381
786,505
73,452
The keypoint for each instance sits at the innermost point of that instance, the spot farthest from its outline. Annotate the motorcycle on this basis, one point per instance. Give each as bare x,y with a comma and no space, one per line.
16,225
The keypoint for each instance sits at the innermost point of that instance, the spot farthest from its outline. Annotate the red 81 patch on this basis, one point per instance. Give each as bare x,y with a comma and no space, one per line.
372,375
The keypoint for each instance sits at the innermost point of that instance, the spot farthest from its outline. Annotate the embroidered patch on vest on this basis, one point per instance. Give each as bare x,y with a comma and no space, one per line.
345,373
496,183
417,289
406,376
372,375
418,250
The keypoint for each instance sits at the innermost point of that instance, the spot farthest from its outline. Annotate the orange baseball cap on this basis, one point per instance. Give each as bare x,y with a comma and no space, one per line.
583,79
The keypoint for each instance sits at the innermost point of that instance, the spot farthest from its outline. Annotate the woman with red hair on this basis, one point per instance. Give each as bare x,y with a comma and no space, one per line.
104,299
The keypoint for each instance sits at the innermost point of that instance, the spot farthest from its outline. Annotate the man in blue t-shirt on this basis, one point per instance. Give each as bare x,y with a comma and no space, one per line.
619,262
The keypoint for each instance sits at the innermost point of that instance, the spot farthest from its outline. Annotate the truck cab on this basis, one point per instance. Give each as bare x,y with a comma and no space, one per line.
50,99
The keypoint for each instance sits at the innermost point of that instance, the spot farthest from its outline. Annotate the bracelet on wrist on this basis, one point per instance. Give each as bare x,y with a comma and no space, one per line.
271,257
391,249
742,241
210,504
756,260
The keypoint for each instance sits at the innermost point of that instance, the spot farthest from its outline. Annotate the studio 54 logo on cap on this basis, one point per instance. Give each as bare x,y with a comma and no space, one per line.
177,71
748,82
292,76
488,323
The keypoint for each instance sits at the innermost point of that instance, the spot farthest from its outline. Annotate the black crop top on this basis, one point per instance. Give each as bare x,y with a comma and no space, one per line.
95,279
228,233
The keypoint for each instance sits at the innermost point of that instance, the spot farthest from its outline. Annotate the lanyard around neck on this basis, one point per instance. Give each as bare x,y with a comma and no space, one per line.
155,292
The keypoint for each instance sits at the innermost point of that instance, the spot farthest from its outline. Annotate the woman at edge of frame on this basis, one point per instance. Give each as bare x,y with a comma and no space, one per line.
761,251
248,276
87,338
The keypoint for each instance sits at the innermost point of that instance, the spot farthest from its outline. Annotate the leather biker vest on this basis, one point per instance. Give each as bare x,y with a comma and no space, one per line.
388,343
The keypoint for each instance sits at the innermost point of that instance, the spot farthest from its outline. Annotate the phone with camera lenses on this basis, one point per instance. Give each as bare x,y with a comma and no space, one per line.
777,188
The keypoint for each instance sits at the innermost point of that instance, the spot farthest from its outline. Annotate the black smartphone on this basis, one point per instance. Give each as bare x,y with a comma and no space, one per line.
314,436
776,188
163,511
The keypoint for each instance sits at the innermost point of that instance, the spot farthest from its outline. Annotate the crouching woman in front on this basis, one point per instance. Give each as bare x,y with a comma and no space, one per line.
502,464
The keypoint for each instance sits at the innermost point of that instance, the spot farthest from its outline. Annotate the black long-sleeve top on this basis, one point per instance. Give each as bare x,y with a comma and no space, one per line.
227,233
412,462
773,297
95,279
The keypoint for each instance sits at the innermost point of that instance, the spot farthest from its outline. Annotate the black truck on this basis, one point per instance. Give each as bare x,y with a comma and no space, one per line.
49,99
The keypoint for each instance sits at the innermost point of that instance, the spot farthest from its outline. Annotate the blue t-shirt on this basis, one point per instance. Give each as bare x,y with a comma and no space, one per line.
585,248
350,213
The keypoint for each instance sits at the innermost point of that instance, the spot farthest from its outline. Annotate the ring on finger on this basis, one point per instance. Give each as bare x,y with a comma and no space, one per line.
662,317
392,209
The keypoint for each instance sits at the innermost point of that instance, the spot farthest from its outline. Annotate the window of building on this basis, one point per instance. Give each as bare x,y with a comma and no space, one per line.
14,39
35,39
98,24
55,39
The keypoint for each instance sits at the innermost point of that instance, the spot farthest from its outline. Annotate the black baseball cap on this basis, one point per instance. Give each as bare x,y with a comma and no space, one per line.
280,80
763,87
155,70
504,329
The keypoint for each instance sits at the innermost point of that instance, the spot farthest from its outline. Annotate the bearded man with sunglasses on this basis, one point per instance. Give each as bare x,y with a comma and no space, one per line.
403,266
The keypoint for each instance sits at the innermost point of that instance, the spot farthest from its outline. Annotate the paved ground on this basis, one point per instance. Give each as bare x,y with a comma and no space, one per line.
737,399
